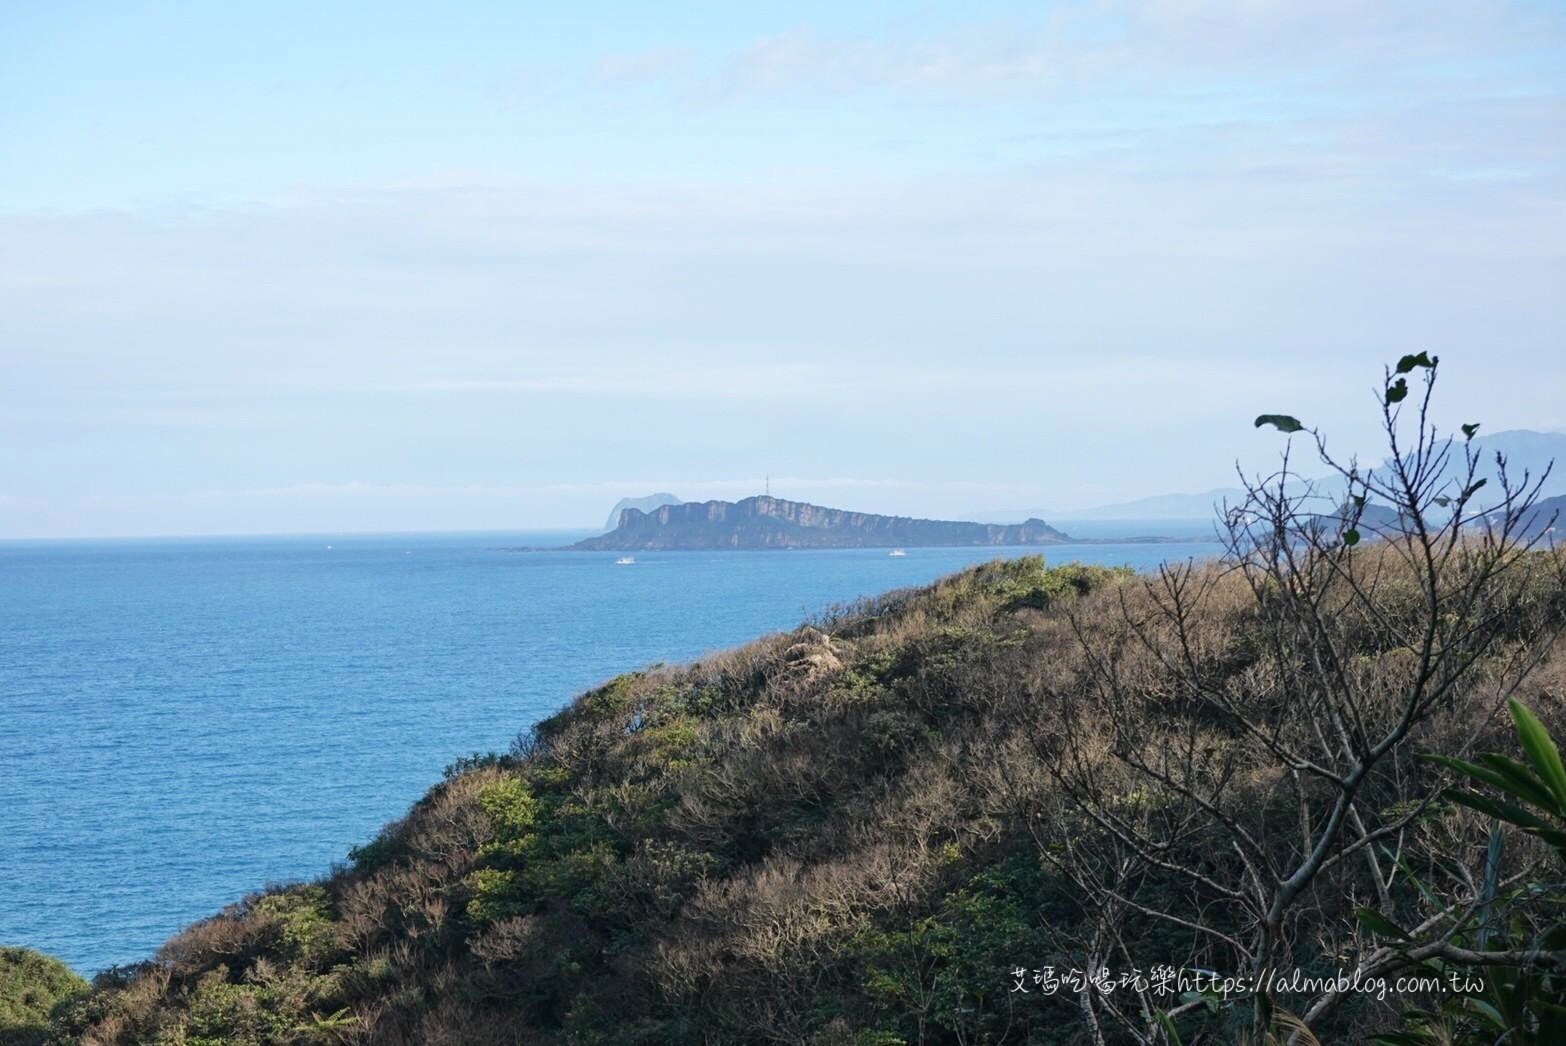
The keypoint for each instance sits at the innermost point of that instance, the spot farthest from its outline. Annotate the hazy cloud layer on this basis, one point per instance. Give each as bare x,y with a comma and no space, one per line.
899,266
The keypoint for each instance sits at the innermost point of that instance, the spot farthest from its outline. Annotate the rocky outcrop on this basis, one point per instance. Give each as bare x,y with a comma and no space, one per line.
811,657
766,522
646,504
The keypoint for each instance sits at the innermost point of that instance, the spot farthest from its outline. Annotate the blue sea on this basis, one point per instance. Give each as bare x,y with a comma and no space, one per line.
184,721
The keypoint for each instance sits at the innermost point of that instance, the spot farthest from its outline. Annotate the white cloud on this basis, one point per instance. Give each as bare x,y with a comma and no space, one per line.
1115,44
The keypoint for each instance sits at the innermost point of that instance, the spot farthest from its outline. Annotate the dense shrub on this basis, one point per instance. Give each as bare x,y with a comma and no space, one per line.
31,987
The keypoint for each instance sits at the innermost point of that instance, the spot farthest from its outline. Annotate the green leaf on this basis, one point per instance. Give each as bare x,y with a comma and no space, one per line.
1506,774
1474,488
1491,1015
1518,780
1408,363
1541,749
1374,920
1167,1023
1502,811
1351,537
1451,763
1359,501
1469,430
1491,883
1397,391
1443,502
1281,422
1207,999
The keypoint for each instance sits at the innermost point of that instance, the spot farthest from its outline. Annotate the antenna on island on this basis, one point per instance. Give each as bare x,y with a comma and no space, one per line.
769,485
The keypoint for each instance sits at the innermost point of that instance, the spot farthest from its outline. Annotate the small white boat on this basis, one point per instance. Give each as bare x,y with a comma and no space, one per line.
625,561
897,552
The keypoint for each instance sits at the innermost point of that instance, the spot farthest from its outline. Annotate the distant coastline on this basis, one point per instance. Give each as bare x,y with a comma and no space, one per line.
764,522
1070,542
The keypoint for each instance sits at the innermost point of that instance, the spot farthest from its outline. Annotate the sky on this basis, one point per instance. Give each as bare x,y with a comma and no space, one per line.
302,267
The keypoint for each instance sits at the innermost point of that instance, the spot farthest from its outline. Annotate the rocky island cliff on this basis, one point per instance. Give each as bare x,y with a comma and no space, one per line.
646,504
768,522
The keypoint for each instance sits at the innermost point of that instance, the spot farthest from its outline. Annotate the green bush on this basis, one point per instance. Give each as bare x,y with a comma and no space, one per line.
307,933
31,987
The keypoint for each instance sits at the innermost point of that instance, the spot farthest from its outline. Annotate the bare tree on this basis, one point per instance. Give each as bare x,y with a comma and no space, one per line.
1237,741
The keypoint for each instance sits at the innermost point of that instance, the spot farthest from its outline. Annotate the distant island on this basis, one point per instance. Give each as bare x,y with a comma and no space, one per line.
767,522
646,504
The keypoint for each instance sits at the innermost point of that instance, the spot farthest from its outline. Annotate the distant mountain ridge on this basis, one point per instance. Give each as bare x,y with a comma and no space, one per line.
768,522
645,504
1545,520
1524,449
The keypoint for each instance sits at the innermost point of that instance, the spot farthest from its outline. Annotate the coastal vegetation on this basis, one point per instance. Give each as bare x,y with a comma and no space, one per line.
1025,804
32,987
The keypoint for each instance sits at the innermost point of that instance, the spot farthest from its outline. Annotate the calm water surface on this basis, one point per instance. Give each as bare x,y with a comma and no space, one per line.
184,721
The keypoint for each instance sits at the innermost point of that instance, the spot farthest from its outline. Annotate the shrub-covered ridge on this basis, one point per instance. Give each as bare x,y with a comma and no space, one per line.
848,833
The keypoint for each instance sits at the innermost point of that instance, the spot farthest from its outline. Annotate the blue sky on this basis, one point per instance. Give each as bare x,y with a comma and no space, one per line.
305,267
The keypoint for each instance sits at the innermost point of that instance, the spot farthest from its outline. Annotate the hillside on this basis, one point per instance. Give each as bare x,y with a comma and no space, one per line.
849,833
767,522
1547,519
